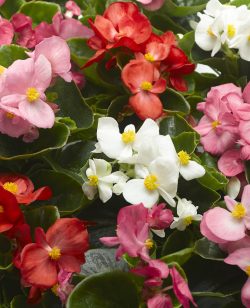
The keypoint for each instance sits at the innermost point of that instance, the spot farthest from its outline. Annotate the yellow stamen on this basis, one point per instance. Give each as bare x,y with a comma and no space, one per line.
150,182
247,270
93,180
146,86
128,137
149,57
1,209
248,38
55,253
214,124
231,31
2,69
210,32
188,220
149,243
184,157
32,94
54,289
239,211
9,115
11,187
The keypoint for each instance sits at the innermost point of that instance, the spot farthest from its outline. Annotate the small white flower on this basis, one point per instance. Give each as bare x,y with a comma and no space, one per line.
160,178
189,169
186,212
214,8
100,179
122,146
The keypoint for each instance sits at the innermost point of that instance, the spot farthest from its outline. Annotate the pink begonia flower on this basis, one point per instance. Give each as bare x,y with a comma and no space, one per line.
230,163
6,32
2,2
220,225
218,127
64,288
230,247
25,84
159,301
159,218
151,5
241,258
132,233
72,9
181,289
65,28
57,52
246,93
23,27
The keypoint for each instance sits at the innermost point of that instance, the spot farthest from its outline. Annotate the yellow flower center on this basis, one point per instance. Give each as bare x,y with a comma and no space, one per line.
214,124
248,38
93,180
149,243
2,69
9,115
128,137
231,31
32,94
11,187
146,86
150,182
210,32
149,57
247,270
55,253
184,157
54,289
188,220
239,211
1,209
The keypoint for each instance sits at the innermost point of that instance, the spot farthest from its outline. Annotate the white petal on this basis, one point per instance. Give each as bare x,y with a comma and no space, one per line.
197,217
103,168
178,224
166,147
166,196
115,177
97,148
92,169
105,191
233,187
192,170
135,192
129,127
148,129
141,171
160,233
89,191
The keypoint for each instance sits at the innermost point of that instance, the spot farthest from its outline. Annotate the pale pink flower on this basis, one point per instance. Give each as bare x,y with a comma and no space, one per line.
220,225
151,5
230,247
230,163
72,9
6,32
25,84
2,2
57,52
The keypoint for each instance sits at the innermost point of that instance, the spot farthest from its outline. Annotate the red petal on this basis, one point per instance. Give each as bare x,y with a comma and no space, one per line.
105,28
98,56
178,83
12,213
71,264
159,86
43,193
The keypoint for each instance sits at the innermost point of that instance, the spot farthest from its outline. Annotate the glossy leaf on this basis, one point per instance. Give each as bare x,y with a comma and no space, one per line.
174,101
107,290
10,7
11,53
175,125
186,141
208,250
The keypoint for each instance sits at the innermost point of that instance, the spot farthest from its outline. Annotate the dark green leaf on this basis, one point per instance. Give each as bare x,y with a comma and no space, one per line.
208,250
11,53
186,141
174,101
175,125
10,7
5,253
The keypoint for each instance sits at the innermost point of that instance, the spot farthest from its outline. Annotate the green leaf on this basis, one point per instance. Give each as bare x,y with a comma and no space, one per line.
11,53
80,51
48,300
40,11
172,9
5,253
187,42
49,139
10,7
67,193
181,256
116,107
174,101
208,250
174,126
107,290
44,216
72,104
213,179
186,141
164,23
240,2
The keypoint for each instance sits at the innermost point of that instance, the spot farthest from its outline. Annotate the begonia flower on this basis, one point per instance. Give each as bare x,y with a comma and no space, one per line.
101,180
160,301
6,32
72,9
187,213
230,163
23,189
62,247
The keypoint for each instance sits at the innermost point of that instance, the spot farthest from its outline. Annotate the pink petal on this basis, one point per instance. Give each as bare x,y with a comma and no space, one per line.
43,73
73,7
6,32
230,163
246,93
230,203
245,199
159,301
154,5
240,257
71,28
245,294
110,241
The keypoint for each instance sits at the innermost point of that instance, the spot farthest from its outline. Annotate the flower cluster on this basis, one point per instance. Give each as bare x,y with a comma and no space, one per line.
228,228
156,58
225,125
51,260
134,238
149,166
224,25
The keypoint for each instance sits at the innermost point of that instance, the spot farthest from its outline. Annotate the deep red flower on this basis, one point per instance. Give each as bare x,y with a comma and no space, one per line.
122,25
177,65
62,247
144,81
23,189
10,213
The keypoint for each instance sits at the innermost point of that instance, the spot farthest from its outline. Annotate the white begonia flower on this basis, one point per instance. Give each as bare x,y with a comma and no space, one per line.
160,178
100,179
186,212
214,8
233,187
207,33
189,169
122,146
